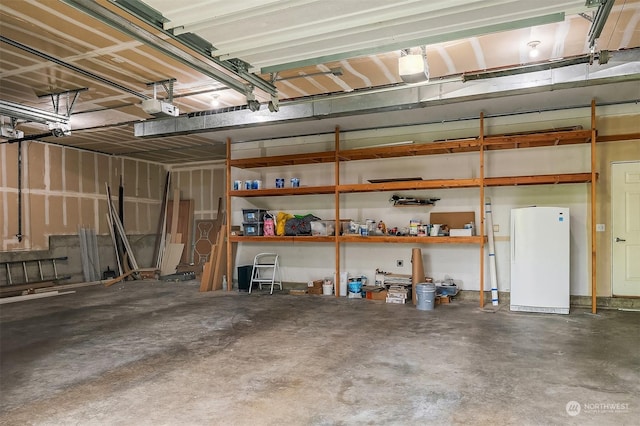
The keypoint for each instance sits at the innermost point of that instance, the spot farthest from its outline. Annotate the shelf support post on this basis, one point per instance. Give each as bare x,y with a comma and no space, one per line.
336,173
593,206
481,209
227,228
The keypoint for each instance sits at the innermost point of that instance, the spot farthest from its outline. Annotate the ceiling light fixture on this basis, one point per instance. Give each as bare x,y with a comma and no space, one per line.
412,67
533,52
215,102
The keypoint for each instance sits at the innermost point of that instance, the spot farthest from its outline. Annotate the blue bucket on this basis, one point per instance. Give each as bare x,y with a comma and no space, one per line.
355,287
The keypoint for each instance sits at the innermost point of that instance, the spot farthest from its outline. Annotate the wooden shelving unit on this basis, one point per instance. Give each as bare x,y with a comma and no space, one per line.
481,144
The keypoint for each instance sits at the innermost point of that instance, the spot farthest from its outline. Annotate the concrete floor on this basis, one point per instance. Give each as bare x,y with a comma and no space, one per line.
154,353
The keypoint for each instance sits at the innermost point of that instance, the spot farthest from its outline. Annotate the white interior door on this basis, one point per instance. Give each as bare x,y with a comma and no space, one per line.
625,228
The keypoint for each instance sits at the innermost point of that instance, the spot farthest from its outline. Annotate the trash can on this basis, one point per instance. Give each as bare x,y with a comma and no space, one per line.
244,277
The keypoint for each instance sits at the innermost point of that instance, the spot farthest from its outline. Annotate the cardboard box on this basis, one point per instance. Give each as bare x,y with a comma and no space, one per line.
454,220
377,295
315,287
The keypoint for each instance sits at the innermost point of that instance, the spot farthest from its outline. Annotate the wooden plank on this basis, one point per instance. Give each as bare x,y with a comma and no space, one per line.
538,179
619,137
410,240
207,273
480,229
230,255
118,279
275,192
17,289
428,148
161,228
220,267
32,296
282,160
594,288
412,185
281,239
175,210
336,201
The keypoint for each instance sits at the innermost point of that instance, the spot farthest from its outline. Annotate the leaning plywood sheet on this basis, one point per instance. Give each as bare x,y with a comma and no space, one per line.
206,280
171,258
220,264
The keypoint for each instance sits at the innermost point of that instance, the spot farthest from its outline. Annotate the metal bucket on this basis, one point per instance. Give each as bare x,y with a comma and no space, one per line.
426,295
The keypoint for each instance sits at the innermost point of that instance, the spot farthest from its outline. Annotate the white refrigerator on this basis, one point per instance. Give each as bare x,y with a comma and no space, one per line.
540,243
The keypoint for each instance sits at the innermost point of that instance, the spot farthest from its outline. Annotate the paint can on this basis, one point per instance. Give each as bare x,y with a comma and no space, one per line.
295,182
426,295
279,183
237,185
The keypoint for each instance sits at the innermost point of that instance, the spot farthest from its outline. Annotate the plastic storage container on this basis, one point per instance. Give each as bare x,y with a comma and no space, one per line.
323,228
253,215
253,229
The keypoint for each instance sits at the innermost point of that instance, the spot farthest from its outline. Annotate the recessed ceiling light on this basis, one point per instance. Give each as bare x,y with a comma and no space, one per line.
215,102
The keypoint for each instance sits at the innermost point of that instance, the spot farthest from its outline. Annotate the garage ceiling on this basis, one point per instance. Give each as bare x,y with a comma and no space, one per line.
216,49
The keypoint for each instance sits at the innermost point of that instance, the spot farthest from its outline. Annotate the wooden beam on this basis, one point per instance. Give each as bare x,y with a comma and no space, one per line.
227,229
593,206
336,174
482,201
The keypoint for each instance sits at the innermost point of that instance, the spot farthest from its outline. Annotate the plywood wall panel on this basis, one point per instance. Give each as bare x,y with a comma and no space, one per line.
204,202
88,172
73,215
9,161
103,173
37,216
130,178
55,207
35,165
71,170
55,168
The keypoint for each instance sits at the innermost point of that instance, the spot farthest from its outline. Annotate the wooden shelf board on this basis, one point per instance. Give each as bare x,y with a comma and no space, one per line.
271,192
281,239
532,140
410,185
430,148
284,160
409,239
538,179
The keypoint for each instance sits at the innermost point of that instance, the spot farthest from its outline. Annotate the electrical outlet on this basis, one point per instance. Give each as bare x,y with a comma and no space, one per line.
496,228
599,227
399,263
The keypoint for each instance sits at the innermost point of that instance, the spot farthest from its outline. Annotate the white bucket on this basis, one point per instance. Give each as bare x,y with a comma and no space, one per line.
327,289
435,230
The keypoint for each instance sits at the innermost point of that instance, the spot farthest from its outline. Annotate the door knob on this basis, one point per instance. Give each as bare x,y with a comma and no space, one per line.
620,240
